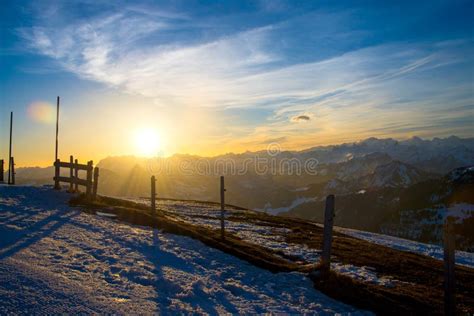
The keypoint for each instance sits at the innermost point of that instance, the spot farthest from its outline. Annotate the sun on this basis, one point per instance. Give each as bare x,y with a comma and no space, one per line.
147,142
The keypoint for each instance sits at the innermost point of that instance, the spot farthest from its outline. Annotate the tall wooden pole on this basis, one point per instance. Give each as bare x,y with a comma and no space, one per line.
1,170
13,170
10,150
57,129
222,207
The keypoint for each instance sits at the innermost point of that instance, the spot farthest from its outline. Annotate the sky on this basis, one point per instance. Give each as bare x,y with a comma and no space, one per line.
211,77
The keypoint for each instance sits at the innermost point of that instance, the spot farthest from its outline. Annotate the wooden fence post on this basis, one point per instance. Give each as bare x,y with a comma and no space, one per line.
153,196
10,149
12,163
1,170
222,207
76,176
89,179
95,183
71,174
449,265
56,175
327,237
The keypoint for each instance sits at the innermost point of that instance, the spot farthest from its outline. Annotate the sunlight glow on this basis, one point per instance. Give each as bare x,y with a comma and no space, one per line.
147,142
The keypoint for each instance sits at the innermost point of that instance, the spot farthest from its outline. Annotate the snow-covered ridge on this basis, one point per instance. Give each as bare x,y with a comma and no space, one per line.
55,259
268,236
129,266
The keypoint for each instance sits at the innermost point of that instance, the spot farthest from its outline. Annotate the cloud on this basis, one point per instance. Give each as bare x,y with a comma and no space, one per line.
273,140
300,118
106,50
133,50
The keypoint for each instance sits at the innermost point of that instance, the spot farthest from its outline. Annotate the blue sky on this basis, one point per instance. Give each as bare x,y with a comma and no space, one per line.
224,76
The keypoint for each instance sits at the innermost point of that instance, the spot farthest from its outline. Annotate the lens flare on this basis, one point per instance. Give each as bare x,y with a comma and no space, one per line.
41,112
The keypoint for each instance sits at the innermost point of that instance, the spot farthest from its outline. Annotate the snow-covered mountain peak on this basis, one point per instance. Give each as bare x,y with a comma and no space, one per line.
463,175
395,174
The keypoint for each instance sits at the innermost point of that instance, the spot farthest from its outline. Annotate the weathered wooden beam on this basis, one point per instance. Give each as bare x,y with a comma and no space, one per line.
71,173
222,208
82,182
153,196
57,129
63,164
12,166
2,170
95,183
57,164
449,266
89,179
10,149
327,237
76,175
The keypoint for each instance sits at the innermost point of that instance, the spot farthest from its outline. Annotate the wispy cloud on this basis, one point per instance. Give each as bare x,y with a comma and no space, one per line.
248,68
115,51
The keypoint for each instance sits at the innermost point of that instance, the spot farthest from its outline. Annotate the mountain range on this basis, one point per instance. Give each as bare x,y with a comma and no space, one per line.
378,183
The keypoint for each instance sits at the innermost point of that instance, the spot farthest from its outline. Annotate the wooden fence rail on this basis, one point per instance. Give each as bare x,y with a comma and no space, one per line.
90,183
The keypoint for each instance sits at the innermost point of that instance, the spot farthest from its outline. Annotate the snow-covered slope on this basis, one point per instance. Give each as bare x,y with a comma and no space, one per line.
436,155
394,175
56,259
434,251
360,166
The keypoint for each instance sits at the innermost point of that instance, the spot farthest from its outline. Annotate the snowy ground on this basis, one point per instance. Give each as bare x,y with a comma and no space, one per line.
434,251
55,259
273,238
208,215
205,214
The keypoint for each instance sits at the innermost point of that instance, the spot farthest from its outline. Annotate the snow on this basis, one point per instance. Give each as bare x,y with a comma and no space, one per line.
294,203
105,214
364,274
460,211
272,238
57,259
208,215
434,251
302,189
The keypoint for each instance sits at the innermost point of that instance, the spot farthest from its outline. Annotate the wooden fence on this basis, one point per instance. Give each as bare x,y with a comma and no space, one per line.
90,183
222,194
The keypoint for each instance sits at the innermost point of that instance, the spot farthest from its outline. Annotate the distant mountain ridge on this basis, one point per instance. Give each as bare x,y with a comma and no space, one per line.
395,174
415,212
349,168
438,155
381,185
